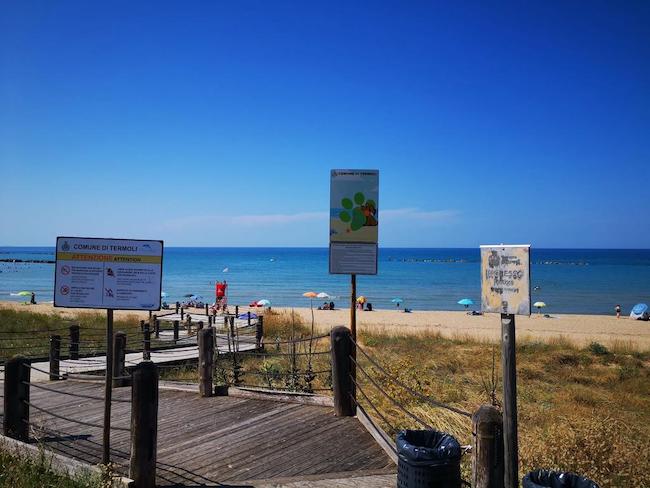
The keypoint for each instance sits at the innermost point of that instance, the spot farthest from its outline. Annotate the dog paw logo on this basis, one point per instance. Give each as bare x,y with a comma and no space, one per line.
358,212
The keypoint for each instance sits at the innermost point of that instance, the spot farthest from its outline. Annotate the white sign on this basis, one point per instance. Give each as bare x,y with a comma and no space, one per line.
353,258
354,221
118,274
505,279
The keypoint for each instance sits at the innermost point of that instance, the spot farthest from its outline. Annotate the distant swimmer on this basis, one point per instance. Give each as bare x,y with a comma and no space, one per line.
537,288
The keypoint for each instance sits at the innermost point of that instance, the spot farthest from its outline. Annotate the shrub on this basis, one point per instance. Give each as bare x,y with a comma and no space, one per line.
598,349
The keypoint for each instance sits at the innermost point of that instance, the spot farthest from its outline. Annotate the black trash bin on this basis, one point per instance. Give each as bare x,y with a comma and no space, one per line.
427,458
543,478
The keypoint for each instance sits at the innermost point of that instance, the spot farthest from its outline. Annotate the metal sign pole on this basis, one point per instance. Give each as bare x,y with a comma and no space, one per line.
509,366
108,389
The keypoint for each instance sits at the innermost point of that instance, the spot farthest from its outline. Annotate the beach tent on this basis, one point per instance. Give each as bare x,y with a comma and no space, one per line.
639,312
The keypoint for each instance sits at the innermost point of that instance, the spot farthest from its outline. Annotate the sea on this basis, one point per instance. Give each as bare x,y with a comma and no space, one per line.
585,281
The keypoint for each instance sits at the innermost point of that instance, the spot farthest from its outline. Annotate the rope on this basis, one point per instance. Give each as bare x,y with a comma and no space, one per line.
91,397
385,436
288,373
32,331
393,429
255,353
41,370
408,389
278,388
314,338
72,420
393,401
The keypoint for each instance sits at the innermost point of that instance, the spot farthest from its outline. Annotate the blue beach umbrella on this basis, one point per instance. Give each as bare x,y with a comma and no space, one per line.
466,302
244,316
397,301
638,311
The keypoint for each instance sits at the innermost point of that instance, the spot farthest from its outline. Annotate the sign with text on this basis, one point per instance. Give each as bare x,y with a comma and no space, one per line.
505,279
120,274
354,221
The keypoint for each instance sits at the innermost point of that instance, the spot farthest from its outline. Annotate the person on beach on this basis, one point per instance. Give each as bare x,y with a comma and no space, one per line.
618,311
33,299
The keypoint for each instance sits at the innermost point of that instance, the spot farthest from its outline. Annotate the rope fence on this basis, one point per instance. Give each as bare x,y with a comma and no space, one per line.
68,419
408,389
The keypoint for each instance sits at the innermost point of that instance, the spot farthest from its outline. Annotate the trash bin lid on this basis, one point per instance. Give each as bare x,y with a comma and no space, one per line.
427,445
543,478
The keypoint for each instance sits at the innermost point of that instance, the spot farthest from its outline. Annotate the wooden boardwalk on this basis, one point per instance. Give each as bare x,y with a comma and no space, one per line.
218,441
165,356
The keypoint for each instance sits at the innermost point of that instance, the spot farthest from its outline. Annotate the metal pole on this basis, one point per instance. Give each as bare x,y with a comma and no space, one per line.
108,390
509,366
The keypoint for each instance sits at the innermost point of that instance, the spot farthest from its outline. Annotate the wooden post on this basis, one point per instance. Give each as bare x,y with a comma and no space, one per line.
156,326
144,425
73,346
344,404
176,307
119,359
209,320
176,327
206,309
248,324
55,357
259,334
146,352
206,361
487,448
15,423
182,313
509,367
236,310
108,390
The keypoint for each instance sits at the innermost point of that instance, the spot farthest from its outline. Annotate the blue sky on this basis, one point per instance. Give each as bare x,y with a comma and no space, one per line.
216,123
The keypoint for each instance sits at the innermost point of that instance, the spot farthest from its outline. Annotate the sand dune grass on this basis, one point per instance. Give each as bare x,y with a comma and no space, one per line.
580,409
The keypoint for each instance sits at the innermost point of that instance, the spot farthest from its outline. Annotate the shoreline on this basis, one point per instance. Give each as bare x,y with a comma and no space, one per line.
577,329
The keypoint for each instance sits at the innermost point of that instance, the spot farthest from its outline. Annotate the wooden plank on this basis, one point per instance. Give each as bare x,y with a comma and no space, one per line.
378,434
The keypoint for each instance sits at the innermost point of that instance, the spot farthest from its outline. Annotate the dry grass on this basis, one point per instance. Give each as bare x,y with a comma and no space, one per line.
582,410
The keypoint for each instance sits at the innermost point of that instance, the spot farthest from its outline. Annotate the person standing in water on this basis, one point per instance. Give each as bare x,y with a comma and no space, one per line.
618,311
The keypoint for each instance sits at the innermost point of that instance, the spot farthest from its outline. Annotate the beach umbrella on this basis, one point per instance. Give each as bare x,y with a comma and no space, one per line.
361,299
24,293
638,311
322,294
397,301
538,306
264,303
311,295
466,302
244,316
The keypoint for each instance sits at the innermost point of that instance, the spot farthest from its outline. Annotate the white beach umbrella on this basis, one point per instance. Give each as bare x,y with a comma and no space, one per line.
539,306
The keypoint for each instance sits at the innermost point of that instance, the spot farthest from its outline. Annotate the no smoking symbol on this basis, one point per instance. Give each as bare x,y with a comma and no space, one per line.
65,290
65,270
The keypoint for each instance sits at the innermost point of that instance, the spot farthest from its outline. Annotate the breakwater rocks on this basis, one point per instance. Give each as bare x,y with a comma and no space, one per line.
428,260
37,261
462,261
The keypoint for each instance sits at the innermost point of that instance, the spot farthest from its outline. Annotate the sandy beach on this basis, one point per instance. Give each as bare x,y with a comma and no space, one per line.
578,329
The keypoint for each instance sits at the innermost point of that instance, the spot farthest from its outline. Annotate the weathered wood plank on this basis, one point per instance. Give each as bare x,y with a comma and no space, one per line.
214,440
